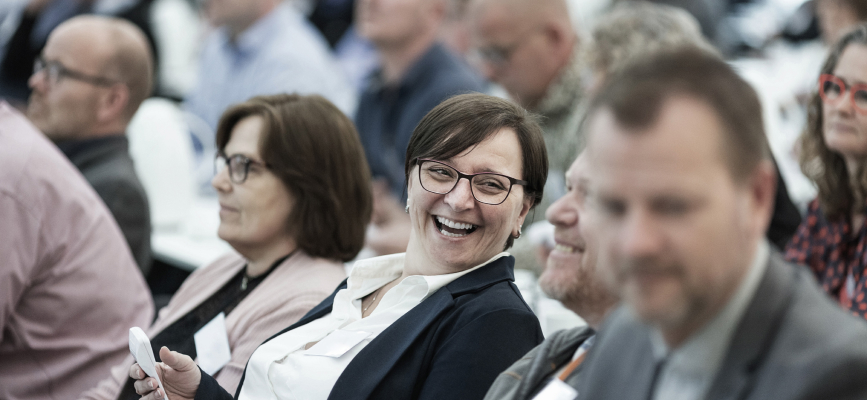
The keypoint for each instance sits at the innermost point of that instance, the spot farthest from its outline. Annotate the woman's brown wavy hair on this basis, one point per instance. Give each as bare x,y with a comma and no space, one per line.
315,151
839,193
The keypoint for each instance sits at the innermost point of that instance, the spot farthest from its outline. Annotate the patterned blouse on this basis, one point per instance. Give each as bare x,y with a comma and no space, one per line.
835,255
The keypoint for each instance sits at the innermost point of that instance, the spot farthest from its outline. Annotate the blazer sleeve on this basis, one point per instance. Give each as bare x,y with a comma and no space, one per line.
209,389
468,362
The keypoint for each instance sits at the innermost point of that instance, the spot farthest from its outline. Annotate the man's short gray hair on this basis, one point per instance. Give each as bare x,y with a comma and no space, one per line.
634,30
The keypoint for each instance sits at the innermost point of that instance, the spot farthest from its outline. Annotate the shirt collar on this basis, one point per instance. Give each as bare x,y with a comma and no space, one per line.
703,353
370,274
435,282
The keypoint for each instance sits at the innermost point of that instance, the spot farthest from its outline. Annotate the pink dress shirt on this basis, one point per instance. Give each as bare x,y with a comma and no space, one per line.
69,288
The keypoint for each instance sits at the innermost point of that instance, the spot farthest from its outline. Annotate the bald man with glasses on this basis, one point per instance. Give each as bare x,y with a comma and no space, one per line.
532,50
88,83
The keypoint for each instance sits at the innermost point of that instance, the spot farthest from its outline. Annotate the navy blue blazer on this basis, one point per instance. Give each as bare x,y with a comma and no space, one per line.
450,346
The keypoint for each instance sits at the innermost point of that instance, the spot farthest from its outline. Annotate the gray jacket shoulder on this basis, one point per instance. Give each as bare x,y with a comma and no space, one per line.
792,343
523,378
820,351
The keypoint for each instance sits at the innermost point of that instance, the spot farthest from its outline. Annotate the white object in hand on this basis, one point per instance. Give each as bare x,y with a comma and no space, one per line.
140,347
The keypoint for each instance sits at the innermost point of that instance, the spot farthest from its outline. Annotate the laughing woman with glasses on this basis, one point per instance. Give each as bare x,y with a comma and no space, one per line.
832,240
438,322
294,194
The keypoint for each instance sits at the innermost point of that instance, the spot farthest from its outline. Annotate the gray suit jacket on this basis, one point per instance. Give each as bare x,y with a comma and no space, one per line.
792,343
107,166
527,376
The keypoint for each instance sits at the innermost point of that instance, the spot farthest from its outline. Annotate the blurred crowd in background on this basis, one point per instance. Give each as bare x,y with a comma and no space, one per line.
385,63
151,148
368,56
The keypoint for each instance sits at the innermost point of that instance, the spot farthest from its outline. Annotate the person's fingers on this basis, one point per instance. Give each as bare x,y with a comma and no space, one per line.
135,372
145,386
167,357
174,359
155,395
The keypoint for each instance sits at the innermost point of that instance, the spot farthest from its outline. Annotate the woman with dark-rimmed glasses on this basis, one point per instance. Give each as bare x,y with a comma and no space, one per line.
832,240
440,321
294,193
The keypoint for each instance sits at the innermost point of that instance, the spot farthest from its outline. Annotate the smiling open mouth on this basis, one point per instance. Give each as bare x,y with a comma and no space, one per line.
453,229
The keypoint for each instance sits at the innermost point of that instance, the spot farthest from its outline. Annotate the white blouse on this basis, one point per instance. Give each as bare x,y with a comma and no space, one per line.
282,369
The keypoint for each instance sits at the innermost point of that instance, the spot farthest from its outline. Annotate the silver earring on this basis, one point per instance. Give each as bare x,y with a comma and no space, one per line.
519,233
406,209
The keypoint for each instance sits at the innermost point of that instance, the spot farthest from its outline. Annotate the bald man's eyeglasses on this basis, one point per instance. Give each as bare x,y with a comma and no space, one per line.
499,56
55,71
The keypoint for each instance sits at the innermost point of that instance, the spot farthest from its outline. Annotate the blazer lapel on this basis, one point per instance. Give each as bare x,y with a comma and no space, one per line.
321,310
374,362
755,333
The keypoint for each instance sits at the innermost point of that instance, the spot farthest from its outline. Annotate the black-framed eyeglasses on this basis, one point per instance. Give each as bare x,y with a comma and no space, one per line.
487,187
239,166
55,71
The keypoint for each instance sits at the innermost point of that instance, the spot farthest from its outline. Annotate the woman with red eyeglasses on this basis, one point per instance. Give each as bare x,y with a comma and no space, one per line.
832,240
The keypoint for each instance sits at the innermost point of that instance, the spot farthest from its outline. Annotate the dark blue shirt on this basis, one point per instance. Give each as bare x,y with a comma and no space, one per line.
387,115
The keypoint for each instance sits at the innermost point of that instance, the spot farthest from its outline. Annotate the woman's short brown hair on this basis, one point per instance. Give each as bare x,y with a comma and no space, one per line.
838,191
466,120
315,151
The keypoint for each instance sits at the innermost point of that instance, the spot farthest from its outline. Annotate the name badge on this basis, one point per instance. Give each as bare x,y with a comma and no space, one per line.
557,390
337,343
212,345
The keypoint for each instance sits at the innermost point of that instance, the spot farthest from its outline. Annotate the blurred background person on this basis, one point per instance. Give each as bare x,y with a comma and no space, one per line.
416,73
25,27
836,17
90,79
633,31
260,47
532,50
832,238
570,277
439,321
356,55
681,196
333,18
455,31
709,14
69,287
295,200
